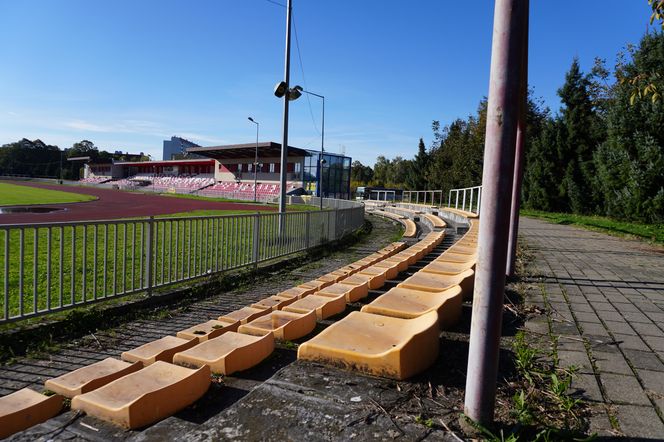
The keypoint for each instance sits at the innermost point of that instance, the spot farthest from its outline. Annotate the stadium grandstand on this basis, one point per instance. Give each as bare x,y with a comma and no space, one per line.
231,172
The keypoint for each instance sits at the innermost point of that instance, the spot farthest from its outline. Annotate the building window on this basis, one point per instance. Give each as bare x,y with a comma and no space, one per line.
271,167
298,167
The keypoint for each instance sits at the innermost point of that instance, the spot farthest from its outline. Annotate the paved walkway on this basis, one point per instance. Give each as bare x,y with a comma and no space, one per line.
605,299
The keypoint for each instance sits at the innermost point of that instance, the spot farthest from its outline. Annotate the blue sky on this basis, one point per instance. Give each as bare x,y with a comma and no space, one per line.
128,74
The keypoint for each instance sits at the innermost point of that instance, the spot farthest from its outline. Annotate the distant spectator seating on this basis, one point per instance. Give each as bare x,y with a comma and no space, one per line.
94,180
180,183
245,191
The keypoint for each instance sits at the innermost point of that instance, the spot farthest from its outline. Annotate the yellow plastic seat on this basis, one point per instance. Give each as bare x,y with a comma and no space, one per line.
325,306
245,314
160,350
376,275
24,408
208,330
448,268
404,303
274,302
351,291
330,278
411,228
433,282
457,257
379,345
392,268
402,263
285,326
295,292
228,353
146,396
314,284
91,377
463,249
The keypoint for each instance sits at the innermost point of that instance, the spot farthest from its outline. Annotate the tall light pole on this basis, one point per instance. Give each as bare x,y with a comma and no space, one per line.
286,96
255,157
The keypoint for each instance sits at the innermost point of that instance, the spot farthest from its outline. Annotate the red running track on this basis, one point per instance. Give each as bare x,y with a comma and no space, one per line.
114,204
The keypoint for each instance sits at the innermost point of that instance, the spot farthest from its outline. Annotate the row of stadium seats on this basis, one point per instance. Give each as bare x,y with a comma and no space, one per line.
127,394
232,189
94,180
181,182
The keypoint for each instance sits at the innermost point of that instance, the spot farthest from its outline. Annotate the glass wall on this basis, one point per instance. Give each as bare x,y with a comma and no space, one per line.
336,175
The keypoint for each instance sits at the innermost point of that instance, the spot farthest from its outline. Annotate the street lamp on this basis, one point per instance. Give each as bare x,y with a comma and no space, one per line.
295,93
255,157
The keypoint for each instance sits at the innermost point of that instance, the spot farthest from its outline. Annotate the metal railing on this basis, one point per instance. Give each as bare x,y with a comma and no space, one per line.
431,197
55,266
467,199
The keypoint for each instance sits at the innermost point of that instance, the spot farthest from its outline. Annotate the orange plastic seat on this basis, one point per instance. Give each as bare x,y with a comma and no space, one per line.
245,314
228,353
146,396
379,345
391,267
315,284
296,292
208,330
404,303
351,291
376,276
160,350
433,282
91,377
285,326
325,306
24,408
274,302
448,268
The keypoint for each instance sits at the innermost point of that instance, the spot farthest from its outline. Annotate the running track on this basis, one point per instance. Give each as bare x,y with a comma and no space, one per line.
114,204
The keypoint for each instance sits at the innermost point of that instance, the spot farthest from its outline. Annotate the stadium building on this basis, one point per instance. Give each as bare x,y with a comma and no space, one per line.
229,171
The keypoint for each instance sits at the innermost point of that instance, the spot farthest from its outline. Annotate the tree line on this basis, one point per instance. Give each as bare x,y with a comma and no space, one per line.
602,153
38,159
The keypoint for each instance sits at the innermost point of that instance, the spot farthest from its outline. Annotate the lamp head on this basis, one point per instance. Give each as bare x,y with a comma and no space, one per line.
294,93
280,89
251,119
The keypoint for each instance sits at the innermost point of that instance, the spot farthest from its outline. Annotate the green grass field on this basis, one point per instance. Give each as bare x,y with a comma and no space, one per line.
69,265
11,195
652,232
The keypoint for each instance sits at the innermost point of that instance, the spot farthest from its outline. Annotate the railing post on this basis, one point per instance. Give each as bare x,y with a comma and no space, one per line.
307,230
256,245
148,255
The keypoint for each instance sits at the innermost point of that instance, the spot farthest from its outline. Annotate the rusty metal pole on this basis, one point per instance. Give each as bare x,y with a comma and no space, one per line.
519,158
502,117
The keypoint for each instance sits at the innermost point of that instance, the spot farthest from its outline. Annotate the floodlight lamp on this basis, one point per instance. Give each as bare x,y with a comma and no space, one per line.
294,93
280,89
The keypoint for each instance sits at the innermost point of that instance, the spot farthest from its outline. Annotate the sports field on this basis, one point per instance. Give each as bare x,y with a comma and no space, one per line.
14,195
106,204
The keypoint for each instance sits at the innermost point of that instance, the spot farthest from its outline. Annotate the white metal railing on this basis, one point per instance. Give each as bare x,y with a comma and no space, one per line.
467,199
55,266
432,197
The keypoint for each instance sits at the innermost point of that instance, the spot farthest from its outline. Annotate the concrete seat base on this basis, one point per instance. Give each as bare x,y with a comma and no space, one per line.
285,326
228,353
324,306
208,330
160,350
379,345
25,408
91,377
407,304
145,397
